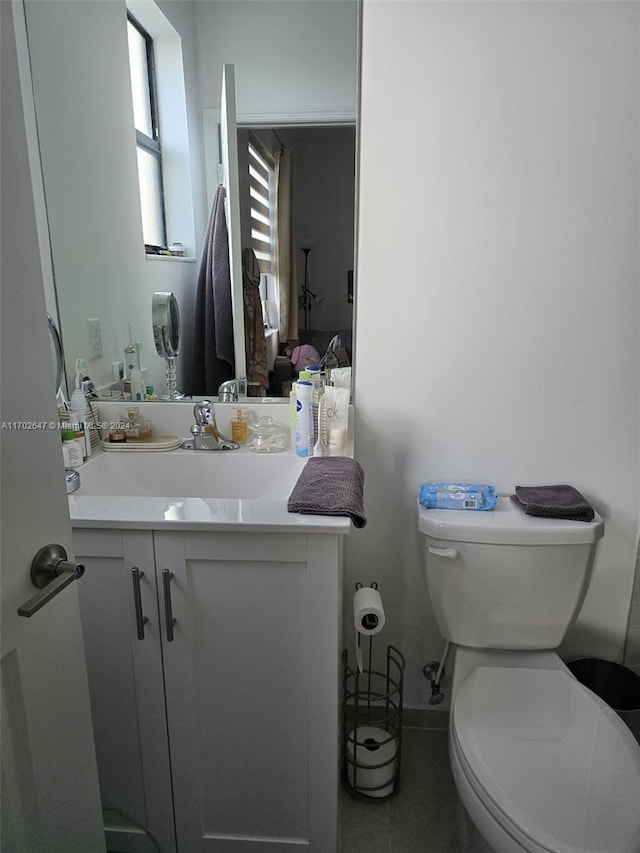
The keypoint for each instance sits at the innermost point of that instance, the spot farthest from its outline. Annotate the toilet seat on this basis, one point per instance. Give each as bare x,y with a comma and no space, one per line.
578,756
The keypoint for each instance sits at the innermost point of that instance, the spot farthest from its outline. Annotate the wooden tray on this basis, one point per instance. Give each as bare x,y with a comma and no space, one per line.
158,442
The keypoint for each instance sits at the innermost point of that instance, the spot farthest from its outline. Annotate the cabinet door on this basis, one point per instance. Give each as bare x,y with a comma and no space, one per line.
127,690
246,680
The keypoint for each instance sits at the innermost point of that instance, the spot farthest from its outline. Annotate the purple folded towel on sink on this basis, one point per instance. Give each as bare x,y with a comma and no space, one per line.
330,485
559,501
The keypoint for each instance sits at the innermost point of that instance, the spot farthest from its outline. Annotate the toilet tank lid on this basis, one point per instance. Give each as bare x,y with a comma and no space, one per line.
507,524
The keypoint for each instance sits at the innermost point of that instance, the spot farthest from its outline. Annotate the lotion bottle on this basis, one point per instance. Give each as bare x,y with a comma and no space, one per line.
71,452
292,413
304,418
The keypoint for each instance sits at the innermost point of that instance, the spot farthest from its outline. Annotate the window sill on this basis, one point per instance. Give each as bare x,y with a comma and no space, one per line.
170,258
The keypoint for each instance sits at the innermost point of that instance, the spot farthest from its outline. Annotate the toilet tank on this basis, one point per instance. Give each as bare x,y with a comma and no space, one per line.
503,579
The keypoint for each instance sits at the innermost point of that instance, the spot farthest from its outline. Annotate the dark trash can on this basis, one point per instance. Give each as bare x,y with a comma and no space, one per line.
618,686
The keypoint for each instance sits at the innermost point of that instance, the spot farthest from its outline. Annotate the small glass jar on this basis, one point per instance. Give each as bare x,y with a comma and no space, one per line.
267,436
137,428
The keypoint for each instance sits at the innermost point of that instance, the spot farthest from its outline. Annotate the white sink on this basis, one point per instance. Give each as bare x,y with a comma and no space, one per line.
229,474
187,490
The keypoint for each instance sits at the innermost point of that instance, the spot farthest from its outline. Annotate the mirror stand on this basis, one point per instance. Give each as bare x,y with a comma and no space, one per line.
170,378
166,334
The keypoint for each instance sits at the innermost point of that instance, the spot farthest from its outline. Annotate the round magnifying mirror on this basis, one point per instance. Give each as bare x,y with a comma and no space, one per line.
165,315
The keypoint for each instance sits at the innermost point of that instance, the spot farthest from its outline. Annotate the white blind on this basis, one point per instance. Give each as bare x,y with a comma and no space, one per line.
261,191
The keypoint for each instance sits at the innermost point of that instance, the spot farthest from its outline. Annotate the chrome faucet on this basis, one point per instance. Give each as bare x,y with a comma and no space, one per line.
205,432
229,391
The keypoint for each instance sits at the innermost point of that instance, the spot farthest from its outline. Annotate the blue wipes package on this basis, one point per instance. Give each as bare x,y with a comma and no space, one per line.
457,496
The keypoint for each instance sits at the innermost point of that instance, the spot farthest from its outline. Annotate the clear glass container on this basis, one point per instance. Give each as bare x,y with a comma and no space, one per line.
267,436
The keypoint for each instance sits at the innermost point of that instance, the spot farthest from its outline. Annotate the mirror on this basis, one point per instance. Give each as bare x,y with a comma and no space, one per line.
166,324
84,112
165,318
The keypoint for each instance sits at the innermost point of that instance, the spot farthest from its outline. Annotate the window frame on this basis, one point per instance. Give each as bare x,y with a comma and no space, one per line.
152,145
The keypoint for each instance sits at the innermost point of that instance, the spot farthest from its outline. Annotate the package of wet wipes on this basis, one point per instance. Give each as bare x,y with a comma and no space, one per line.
457,496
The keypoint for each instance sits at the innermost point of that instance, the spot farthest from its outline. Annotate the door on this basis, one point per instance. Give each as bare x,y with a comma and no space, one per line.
231,182
121,621
251,650
235,676
50,797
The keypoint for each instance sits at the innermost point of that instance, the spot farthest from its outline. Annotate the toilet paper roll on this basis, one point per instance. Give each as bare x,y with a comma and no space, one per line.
368,747
368,612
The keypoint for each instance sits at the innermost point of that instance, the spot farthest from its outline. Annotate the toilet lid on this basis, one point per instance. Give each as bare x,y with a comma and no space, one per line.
552,763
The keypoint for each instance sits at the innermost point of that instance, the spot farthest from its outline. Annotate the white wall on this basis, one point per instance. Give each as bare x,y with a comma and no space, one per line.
288,55
291,58
83,99
498,258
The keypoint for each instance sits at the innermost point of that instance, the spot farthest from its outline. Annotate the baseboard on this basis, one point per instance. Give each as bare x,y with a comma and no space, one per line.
425,718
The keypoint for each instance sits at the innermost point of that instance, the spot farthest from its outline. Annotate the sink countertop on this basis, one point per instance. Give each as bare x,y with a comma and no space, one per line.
149,510
181,513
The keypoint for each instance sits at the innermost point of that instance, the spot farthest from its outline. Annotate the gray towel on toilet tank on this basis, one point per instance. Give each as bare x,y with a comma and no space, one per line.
559,501
330,485
213,352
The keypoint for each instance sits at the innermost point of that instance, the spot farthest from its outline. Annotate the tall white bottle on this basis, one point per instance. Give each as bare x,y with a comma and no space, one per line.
79,410
304,418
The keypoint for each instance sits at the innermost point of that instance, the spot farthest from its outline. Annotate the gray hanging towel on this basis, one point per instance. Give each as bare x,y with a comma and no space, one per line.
559,501
213,351
330,485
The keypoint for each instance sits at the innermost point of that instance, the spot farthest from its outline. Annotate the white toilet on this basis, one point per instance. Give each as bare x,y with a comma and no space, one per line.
541,764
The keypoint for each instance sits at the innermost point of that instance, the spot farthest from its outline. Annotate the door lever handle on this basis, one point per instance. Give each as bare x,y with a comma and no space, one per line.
51,573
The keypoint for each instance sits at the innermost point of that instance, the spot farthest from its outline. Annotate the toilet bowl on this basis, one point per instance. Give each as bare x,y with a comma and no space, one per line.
540,763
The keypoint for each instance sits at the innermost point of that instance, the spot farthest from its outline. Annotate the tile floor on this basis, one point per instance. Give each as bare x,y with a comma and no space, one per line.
420,818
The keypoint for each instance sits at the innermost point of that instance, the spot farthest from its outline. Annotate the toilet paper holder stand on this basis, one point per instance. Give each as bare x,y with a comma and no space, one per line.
372,723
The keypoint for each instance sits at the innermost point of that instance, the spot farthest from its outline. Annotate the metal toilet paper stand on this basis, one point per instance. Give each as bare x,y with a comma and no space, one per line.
372,724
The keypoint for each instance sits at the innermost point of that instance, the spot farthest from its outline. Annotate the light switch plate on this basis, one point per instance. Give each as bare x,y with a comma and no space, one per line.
94,338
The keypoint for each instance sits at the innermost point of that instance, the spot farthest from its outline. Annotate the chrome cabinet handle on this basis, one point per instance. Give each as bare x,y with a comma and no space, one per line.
141,620
51,573
447,553
168,610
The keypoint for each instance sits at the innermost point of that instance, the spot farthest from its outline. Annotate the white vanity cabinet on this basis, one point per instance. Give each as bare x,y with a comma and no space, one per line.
225,718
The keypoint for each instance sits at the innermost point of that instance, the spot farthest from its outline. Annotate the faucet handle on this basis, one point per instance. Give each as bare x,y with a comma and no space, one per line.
203,413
